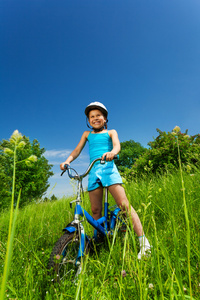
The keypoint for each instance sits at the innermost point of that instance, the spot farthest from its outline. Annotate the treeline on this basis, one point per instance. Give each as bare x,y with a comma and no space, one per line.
165,153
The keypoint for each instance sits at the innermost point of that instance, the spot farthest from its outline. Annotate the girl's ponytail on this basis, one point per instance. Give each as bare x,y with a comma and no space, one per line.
105,124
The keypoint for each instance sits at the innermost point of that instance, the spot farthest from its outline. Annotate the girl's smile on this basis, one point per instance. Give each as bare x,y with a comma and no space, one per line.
96,119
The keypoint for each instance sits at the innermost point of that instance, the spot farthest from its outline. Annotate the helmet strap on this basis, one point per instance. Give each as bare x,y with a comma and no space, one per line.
98,130
87,123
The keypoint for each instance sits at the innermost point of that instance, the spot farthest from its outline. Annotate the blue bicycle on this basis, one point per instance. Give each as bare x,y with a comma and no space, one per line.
66,258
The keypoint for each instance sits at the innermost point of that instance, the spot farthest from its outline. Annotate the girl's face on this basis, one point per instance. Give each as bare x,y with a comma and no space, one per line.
96,119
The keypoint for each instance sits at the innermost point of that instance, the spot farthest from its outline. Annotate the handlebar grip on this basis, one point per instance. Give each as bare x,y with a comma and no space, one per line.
115,157
66,166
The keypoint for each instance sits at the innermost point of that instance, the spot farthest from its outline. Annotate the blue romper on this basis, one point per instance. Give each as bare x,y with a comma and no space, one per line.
101,174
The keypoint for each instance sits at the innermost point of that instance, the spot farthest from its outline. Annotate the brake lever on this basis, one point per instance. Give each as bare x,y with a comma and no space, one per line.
103,161
62,173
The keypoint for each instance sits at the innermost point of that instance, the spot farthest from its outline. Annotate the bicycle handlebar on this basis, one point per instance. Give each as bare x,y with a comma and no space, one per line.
79,177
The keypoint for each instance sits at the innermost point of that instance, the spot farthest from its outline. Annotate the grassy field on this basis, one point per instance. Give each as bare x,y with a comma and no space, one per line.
169,208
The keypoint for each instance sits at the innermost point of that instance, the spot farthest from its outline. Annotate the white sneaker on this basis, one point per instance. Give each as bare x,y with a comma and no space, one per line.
145,248
144,251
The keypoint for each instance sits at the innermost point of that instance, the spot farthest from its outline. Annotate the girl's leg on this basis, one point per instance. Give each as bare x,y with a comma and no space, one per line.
118,193
96,197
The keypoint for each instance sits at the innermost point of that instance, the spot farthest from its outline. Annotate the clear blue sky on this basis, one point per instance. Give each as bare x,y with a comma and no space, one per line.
141,58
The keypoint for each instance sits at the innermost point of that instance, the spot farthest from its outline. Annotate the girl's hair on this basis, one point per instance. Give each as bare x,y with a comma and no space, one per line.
105,124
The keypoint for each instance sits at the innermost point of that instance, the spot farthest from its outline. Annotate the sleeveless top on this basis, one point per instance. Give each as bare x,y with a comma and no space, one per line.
99,143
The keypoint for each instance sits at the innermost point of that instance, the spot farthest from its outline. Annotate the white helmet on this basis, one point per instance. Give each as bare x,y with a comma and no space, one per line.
96,105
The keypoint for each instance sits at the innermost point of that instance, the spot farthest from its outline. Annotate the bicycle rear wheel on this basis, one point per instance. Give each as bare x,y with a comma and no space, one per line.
63,259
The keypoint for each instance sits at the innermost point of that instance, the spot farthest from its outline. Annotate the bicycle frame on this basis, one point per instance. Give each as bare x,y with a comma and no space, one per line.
101,225
97,224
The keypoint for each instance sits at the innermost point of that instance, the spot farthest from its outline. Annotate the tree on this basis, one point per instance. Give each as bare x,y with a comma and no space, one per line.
130,151
164,153
32,169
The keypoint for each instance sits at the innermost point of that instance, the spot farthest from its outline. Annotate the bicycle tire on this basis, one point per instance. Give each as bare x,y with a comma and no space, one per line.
63,259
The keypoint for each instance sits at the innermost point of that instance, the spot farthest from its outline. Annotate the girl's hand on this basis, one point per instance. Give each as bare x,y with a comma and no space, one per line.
62,165
108,156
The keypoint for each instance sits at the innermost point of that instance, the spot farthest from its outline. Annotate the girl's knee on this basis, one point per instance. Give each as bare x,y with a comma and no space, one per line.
123,202
96,210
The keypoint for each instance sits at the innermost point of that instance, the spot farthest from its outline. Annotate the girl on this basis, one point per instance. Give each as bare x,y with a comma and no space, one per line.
105,144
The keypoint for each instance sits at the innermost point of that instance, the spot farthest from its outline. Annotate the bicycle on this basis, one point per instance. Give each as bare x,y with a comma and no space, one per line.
67,255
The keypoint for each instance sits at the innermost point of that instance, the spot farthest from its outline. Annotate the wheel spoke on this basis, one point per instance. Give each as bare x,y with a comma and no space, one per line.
64,257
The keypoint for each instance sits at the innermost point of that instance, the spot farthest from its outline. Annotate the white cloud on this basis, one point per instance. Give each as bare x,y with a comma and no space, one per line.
60,186
56,157
57,153
55,163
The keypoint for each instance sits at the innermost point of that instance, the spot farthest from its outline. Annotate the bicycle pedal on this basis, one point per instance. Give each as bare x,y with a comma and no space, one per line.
98,237
123,229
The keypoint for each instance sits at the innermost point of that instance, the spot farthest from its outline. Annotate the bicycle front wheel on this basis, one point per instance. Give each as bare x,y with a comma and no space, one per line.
63,259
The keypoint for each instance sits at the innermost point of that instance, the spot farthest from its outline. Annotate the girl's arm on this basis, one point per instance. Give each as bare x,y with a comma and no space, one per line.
75,153
116,146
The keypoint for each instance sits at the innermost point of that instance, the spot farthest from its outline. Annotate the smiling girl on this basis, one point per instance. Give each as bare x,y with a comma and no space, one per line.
105,143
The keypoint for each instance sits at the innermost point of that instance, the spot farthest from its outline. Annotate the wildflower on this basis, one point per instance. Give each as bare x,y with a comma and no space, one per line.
186,136
16,137
123,273
32,158
21,145
151,286
57,256
15,133
176,129
8,151
188,168
184,289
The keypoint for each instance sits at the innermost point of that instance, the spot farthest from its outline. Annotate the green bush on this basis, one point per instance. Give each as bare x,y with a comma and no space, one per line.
163,154
32,170
130,151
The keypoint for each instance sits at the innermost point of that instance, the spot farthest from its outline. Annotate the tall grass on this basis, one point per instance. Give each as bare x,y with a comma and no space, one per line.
11,231
187,221
113,271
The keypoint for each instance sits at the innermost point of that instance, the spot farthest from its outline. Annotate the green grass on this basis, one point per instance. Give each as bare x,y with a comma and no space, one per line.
169,208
